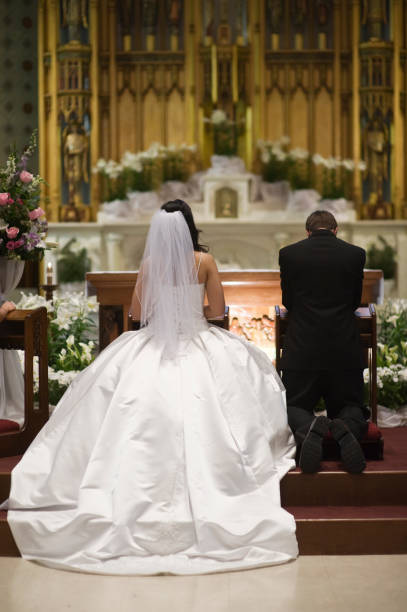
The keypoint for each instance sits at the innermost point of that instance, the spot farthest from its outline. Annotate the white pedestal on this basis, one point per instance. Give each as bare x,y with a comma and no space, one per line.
226,196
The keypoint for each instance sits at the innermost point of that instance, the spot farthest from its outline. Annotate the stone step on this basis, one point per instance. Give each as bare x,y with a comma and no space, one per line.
320,531
333,488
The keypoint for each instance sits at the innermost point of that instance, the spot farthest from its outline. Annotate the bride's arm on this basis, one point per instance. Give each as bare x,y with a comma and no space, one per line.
214,291
135,307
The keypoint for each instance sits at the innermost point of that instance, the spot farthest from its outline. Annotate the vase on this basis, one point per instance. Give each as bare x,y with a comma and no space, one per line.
11,271
11,375
387,417
389,287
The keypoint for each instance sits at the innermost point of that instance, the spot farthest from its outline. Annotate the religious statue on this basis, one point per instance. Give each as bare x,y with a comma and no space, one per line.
376,148
150,13
74,15
374,15
275,14
75,160
299,11
323,11
174,12
126,17
226,203
209,20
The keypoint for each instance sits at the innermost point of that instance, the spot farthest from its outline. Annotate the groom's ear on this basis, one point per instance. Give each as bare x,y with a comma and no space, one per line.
335,231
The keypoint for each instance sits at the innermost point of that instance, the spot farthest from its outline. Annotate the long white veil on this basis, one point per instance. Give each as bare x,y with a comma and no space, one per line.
165,281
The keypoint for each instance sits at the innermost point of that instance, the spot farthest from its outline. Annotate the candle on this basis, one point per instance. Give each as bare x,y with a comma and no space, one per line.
49,273
234,74
214,74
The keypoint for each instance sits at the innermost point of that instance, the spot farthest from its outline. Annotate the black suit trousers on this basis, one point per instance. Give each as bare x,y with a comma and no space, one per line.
342,391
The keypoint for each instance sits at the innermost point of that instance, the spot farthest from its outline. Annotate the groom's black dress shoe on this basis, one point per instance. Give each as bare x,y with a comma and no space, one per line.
311,449
351,451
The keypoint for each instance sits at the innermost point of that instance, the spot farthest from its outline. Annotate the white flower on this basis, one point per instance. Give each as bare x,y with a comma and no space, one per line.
113,169
330,163
280,155
218,116
100,165
3,224
348,164
285,140
299,153
362,166
265,157
318,159
70,340
132,161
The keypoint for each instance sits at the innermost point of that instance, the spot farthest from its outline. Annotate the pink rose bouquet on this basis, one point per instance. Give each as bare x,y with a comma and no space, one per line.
22,222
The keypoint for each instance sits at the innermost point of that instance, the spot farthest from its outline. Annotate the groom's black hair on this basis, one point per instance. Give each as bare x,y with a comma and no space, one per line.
320,219
185,209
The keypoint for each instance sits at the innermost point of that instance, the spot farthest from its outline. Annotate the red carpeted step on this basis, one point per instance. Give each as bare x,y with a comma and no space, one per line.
7,426
8,463
6,466
349,512
8,547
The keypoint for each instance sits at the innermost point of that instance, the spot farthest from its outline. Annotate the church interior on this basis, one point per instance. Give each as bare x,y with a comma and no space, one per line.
256,113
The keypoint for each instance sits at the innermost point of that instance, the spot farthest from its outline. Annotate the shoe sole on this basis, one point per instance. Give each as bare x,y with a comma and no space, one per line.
351,451
311,449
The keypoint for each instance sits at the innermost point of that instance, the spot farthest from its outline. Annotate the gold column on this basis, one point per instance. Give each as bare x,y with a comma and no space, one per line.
113,80
190,70
256,19
41,109
94,103
397,142
53,175
234,74
214,73
41,93
337,80
405,119
357,190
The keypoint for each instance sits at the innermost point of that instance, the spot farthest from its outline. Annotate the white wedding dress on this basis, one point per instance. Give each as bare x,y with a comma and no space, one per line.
152,465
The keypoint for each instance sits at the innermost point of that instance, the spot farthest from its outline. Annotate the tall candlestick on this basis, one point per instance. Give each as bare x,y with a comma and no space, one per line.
49,273
234,74
214,75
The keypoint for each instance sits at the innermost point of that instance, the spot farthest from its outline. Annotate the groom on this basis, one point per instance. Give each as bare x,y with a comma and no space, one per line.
321,282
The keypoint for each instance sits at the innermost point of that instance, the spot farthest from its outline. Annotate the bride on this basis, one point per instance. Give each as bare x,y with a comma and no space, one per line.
166,453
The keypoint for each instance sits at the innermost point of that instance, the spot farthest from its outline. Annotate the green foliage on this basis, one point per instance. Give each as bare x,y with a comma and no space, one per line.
225,138
331,190
382,258
72,264
392,354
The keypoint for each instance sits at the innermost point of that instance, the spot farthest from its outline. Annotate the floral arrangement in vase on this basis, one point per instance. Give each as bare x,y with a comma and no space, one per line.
144,171
22,223
225,132
329,175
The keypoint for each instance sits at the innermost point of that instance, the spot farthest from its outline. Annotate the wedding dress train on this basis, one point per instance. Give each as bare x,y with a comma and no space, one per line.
166,453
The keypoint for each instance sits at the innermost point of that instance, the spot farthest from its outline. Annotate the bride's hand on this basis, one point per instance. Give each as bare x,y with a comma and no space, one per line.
5,309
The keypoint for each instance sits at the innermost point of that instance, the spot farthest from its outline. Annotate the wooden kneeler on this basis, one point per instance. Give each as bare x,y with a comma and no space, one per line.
372,443
26,330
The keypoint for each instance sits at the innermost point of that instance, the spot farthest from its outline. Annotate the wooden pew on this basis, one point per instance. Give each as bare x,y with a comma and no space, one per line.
27,330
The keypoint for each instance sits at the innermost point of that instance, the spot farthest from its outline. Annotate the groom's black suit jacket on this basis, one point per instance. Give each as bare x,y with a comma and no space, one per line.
321,281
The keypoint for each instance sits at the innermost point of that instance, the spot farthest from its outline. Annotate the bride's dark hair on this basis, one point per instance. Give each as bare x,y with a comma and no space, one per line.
185,209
